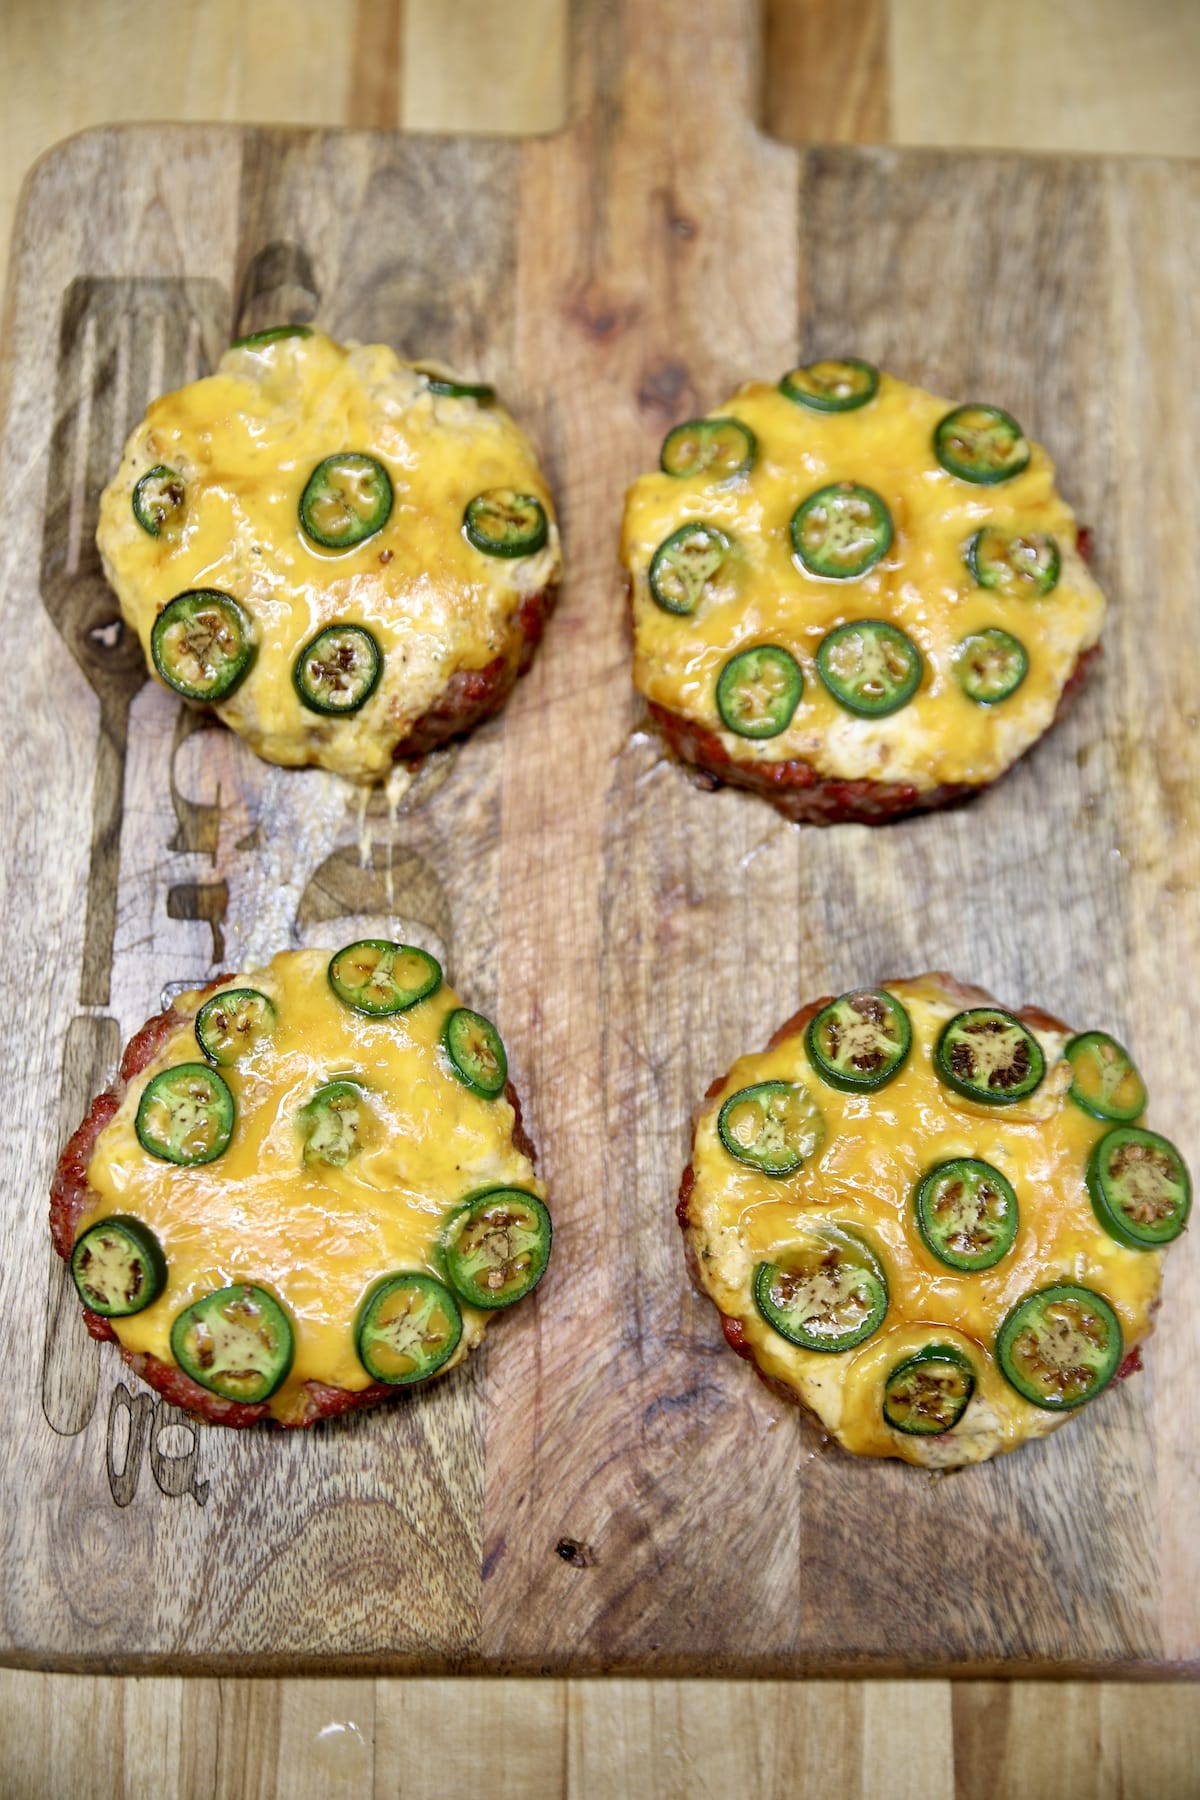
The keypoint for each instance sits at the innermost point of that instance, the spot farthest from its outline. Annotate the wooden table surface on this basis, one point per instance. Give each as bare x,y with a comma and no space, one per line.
1103,75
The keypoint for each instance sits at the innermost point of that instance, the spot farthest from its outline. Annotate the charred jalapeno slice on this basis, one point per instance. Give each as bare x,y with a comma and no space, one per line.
496,1246
928,1393
378,978
501,522
980,444
986,1054
990,665
159,499
408,1328
201,644
967,1214
476,1052
870,667
186,1115
1104,1078
118,1267
717,448
859,1041
1021,565
236,1342
274,334
1059,1346
338,670
828,1291
1141,1190
840,384
233,1024
438,382
684,564
774,1126
759,690
331,1124
347,499
841,531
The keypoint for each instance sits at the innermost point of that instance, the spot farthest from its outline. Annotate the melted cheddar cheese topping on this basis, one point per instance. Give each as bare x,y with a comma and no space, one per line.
245,442
762,594
315,1236
875,1149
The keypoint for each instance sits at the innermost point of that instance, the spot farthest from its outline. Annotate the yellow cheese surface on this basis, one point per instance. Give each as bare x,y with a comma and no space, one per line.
876,1148
763,594
245,440
316,1237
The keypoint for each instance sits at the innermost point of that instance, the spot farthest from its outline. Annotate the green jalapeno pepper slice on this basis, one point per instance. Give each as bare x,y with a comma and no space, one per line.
233,1024
870,667
1059,1346
496,1245
834,385
378,978
409,1327
827,1292
986,1054
186,1115
338,670
841,531
758,691
476,1053
202,644
990,665
118,1267
967,1214
159,500
236,1341
928,1393
346,499
450,388
859,1041
720,449
501,522
1140,1187
1104,1078
774,1126
274,334
980,444
1021,565
685,563
332,1122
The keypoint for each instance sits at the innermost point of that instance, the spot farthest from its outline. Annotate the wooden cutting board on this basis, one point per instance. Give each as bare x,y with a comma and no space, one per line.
605,1487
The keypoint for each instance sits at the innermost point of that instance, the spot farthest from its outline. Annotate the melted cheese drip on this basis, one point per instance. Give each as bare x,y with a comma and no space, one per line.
316,1237
763,595
876,1148
246,441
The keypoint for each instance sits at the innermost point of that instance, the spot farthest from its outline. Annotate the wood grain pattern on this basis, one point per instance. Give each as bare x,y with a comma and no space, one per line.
607,304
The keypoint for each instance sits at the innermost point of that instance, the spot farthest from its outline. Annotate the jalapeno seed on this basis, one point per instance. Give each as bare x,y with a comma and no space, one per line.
860,1041
986,1054
774,1126
826,1292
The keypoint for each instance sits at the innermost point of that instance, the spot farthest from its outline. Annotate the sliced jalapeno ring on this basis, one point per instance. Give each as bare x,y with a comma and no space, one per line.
986,1054
186,1115
928,1393
980,444
990,665
236,1341
870,667
967,1214
233,1024
827,1292
338,670
202,644
1140,1188
1021,565
685,563
476,1052
332,1124
860,1041
719,449
159,500
118,1267
501,522
841,531
758,691
1105,1080
496,1246
774,1126
274,334
439,382
346,499
408,1328
378,978
840,384
1059,1346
